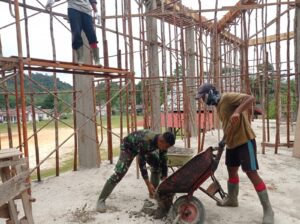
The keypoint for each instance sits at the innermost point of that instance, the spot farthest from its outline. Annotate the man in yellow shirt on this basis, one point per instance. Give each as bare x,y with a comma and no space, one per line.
241,146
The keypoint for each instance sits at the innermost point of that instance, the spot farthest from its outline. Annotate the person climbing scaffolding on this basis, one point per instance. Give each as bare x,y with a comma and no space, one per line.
80,18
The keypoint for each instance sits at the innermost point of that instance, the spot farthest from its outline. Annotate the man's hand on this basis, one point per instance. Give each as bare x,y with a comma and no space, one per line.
150,187
222,143
151,190
235,117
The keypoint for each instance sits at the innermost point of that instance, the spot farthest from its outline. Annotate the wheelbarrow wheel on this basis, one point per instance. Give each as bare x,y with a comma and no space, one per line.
188,211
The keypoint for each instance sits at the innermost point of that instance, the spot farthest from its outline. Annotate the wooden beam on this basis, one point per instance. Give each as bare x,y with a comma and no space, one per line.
9,153
4,211
63,67
13,187
270,39
199,20
230,16
13,163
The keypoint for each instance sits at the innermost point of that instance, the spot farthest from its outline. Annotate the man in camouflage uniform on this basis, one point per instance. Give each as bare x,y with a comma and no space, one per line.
151,147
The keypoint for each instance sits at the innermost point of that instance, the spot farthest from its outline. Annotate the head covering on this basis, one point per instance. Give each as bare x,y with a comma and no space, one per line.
204,89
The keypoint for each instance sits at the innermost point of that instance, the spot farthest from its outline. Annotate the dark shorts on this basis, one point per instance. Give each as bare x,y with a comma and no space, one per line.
243,155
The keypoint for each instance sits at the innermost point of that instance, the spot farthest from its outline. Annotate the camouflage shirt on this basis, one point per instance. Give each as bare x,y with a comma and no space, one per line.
158,162
144,143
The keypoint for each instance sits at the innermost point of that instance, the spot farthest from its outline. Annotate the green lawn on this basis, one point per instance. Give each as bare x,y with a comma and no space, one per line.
67,165
115,122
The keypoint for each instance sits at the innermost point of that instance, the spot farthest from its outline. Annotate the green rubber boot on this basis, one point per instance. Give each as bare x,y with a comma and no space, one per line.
232,198
96,56
106,191
268,211
164,203
79,53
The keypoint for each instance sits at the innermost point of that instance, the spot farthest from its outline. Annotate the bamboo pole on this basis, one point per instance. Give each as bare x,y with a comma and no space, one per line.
32,101
119,61
278,80
55,98
21,74
288,109
264,77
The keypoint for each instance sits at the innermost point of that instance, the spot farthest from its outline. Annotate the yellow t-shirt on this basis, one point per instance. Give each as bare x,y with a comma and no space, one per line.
241,132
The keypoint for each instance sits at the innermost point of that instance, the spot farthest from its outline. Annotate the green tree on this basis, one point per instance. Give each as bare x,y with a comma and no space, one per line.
48,102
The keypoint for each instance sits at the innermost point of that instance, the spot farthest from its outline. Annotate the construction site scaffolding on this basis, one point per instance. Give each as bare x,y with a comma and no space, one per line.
170,50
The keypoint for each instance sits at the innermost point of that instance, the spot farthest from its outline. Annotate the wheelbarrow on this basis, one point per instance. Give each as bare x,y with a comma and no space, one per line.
187,179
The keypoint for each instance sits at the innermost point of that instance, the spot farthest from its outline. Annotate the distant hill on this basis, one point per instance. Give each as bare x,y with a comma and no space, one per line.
44,81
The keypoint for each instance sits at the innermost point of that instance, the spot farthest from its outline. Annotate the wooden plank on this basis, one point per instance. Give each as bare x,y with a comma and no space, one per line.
27,207
13,162
270,39
8,153
25,197
4,211
13,213
201,21
230,16
24,221
65,66
13,187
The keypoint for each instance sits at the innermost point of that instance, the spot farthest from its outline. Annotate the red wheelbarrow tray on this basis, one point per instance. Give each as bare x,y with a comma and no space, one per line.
190,176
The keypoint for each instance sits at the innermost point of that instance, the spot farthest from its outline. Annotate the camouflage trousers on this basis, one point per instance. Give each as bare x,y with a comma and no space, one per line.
122,166
124,162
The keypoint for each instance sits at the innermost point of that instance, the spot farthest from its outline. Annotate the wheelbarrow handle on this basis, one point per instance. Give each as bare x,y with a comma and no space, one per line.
219,152
217,157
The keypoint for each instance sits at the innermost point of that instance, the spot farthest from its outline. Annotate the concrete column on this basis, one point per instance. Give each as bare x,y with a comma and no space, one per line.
153,66
215,67
87,145
190,79
296,150
297,46
0,48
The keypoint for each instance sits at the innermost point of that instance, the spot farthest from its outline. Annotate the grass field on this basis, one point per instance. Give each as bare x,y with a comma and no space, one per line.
68,165
115,122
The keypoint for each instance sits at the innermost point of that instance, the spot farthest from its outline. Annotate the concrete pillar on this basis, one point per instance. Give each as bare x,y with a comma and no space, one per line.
215,67
296,150
190,79
297,48
153,66
85,116
0,47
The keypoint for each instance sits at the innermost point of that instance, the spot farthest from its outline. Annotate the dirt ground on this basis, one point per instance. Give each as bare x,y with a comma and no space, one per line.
46,143
71,198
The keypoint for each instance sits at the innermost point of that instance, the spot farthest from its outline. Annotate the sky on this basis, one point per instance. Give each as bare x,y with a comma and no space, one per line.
40,41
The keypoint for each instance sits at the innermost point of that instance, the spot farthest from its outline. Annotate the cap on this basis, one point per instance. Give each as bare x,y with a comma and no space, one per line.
203,89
